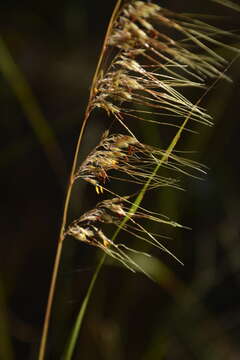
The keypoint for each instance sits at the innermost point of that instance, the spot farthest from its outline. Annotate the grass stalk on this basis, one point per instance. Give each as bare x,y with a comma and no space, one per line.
60,246
77,326
42,348
117,85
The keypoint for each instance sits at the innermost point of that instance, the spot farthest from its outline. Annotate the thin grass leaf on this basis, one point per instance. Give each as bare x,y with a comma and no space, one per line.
145,73
68,353
37,121
228,3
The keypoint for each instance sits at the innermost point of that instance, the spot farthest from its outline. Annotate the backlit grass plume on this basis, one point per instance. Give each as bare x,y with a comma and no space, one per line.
149,57
143,77
150,68
88,229
132,161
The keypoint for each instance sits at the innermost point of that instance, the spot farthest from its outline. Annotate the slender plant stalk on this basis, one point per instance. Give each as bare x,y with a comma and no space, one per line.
59,247
42,349
119,84
77,326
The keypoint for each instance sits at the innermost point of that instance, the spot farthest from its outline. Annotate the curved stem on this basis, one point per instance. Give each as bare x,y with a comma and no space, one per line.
59,247
43,342
60,244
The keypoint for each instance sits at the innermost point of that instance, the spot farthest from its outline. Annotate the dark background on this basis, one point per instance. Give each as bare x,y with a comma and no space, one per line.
190,312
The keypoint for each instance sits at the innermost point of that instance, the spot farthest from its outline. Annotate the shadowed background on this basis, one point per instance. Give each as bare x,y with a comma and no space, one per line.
48,53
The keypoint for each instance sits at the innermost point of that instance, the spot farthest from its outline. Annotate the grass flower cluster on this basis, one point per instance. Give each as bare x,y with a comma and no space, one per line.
149,67
88,228
143,81
131,159
149,57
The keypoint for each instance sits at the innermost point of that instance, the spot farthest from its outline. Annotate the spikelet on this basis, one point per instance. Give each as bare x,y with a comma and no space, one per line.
132,161
150,66
144,80
156,54
88,229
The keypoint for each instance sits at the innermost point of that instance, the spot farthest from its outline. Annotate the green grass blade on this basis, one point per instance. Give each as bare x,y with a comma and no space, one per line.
228,3
74,335
77,326
36,119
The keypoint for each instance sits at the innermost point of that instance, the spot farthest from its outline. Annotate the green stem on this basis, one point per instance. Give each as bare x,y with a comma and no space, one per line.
132,210
77,326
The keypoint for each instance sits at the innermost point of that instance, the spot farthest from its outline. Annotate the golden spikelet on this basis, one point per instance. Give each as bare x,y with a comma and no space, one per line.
150,66
88,229
150,55
145,75
132,161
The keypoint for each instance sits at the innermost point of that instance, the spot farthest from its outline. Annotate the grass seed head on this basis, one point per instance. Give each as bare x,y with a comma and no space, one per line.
88,228
151,66
133,161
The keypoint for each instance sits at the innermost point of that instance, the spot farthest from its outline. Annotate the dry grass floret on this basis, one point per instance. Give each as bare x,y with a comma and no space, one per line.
131,159
88,229
149,66
155,55
144,76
